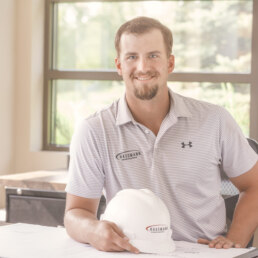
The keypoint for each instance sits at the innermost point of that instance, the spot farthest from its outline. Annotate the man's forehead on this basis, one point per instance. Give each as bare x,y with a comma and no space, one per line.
142,34
150,41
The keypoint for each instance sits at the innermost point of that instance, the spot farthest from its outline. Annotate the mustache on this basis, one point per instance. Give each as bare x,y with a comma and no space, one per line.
149,74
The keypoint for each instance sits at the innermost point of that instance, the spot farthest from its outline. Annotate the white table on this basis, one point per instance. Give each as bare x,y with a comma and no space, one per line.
26,240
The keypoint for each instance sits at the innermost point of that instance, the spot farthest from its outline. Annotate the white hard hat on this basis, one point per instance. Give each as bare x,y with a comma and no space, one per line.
144,219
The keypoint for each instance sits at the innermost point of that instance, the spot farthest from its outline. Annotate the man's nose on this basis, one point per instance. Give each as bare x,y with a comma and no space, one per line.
142,65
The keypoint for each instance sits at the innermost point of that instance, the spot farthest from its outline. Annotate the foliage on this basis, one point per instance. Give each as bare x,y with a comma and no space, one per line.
235,98
209,36
64,130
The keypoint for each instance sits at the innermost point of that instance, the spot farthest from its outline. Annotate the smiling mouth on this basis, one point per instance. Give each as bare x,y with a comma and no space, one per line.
144,78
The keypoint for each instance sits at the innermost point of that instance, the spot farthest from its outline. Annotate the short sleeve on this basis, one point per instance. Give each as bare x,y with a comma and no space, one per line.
237,155
86,176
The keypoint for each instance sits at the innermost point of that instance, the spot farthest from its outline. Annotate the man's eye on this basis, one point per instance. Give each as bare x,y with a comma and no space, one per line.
131,57
153,56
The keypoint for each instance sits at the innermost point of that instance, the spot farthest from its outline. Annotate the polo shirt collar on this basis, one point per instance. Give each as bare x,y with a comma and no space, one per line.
178,108
124,114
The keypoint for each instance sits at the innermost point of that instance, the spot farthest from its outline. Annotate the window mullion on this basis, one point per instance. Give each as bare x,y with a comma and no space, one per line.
254,76
179,77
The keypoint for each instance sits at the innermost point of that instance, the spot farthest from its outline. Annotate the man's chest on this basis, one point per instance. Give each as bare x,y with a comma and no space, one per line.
181,157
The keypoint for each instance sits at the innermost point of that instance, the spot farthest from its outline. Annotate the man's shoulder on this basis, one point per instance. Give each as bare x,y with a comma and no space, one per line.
95,124
107,113
199,107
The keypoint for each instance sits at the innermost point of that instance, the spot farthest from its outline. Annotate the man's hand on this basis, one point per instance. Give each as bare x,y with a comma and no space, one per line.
219,242
108,237
82,225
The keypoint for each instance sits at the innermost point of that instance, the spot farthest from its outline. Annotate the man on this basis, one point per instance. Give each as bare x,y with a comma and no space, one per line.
156,139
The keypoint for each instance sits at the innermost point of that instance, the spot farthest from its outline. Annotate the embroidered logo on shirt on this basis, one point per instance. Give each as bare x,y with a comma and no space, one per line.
190,144
131,154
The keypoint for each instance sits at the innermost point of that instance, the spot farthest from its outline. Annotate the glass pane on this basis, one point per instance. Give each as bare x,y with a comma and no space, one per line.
209,36
75,100
234,97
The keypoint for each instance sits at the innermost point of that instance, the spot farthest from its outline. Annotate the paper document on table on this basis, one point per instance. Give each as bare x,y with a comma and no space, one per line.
188,250
25,240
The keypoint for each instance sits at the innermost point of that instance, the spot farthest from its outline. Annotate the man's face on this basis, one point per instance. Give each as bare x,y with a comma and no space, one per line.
143,63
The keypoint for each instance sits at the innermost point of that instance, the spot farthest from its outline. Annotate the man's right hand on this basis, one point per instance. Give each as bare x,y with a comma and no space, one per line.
108,237
82,225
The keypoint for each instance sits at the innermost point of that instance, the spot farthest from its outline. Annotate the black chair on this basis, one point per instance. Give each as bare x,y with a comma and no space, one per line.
41,207
35,206
231,193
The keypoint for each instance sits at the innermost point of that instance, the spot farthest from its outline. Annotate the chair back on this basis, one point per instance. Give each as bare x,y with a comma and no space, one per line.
231,193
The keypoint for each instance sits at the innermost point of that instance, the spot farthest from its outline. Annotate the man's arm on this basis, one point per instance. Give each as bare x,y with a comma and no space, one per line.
245,219
82,225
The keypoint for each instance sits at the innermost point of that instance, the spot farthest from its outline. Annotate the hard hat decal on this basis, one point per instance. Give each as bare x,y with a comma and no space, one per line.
157,228
144,218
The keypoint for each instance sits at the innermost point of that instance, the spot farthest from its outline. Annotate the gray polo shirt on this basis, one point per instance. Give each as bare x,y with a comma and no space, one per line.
110,151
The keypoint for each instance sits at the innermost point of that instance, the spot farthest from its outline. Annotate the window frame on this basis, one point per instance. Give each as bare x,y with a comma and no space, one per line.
51,74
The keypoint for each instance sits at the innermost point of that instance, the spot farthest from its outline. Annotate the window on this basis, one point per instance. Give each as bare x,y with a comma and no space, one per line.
213,48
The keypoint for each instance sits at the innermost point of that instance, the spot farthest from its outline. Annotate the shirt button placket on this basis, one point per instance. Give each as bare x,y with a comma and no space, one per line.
146,131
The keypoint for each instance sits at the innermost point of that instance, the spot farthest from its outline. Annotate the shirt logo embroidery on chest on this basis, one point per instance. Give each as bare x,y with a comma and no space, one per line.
190,144
131,154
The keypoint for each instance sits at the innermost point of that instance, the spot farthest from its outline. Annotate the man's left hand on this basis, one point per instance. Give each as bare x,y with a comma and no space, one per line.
219,242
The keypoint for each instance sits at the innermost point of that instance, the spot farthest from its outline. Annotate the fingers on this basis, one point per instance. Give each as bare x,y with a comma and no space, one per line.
219,242
117,230
125,245
122,241
203,241
114,248
109,237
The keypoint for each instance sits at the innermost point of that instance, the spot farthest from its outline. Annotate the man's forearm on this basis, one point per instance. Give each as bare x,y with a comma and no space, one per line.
84,227
79,224
245,218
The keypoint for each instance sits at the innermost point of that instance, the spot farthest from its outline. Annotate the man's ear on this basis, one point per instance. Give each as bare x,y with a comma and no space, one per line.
118,66
171,63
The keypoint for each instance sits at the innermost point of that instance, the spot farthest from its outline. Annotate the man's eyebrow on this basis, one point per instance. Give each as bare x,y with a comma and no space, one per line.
154,52
130,53
149,53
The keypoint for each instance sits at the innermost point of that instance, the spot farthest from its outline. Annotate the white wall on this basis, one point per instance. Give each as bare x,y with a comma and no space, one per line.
7,72
22,34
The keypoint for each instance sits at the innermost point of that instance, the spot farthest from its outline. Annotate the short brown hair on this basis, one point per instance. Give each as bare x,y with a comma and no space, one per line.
142,25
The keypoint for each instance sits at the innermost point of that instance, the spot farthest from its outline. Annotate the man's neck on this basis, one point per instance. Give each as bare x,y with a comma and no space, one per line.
150,113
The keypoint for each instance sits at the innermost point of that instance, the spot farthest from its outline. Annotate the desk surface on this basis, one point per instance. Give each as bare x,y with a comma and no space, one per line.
25,240
43,179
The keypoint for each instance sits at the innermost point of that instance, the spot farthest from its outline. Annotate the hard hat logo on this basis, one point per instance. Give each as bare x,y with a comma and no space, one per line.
144,218
157,228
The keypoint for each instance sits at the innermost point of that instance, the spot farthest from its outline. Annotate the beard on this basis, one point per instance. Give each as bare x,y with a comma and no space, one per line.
146,92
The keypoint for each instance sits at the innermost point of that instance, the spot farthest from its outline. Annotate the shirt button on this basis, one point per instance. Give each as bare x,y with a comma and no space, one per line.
147,131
